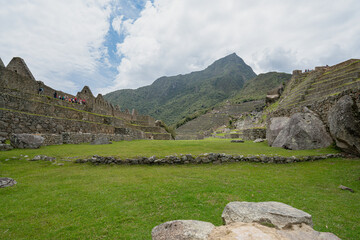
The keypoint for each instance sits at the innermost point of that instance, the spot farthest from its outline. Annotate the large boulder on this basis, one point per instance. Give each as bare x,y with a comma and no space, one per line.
26,140
275,126
303,131
344,125
7,182
255,231
276,214
247,221
182,230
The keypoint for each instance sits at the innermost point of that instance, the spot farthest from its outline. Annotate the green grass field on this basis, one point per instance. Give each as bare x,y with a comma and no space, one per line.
82,201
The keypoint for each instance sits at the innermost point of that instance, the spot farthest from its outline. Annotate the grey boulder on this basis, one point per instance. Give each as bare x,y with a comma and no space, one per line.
277,214
274,127
26,140
344,125
255,231
7,182
182,230
303,131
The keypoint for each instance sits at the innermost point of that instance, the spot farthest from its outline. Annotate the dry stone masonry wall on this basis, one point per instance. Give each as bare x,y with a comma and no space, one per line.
207,158
25,109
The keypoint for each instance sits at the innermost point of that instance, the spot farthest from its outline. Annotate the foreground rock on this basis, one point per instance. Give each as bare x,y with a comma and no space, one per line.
344,125
275,126
7,182
247,221
275,214
255,231
303,131
182,230
26,140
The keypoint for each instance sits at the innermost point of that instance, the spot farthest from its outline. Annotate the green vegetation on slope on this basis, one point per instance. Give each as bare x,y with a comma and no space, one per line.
81,201
257,87
173,98
254,89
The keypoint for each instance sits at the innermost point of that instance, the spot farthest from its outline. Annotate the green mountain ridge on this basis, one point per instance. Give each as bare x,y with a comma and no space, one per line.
173,98
249,98
256,88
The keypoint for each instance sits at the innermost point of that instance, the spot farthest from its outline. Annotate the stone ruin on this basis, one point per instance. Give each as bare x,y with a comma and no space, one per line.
26,110
318,108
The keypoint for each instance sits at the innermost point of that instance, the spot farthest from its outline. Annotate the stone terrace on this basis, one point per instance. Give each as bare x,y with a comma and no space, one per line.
197,128
306,88
23,110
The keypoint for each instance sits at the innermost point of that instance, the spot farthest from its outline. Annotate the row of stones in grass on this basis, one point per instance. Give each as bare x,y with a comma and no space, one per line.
207,158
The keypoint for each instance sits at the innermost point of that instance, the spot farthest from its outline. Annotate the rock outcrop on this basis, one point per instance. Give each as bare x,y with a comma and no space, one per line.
26,140
276,214
246,221
344,125
182,230
7,182
276,125
303,131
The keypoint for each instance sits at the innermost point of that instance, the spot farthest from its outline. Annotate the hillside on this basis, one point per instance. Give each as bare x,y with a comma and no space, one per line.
173,98
257,88
251,97
307,88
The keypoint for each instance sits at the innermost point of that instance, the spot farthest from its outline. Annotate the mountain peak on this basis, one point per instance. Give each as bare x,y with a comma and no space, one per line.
230,58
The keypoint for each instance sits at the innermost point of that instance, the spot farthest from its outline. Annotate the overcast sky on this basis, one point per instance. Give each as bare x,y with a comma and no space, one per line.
115,44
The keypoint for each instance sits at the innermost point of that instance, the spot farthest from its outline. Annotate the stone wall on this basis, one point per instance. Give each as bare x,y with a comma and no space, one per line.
24,110
207,158
316,85
19,66
19,122
17,76
254,133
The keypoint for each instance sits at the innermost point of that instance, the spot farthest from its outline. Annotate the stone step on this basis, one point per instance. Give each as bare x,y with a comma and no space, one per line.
354,73
332,84
327,92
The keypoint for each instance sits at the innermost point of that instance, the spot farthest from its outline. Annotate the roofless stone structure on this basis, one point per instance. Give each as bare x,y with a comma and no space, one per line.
23,109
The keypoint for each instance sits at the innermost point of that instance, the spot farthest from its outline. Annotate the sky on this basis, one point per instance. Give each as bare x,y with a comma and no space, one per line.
118,44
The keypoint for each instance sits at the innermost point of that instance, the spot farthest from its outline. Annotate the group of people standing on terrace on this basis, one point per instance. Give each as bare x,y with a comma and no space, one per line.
68,99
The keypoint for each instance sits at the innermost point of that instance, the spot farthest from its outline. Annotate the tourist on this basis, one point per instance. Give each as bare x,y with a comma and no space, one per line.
41,91
55,94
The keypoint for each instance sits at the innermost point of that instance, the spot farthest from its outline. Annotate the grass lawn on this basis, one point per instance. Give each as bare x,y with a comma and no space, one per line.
161,148
81,201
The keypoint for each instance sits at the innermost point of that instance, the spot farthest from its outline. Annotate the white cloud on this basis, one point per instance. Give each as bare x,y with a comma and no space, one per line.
55,38
117,24
64,42
172,37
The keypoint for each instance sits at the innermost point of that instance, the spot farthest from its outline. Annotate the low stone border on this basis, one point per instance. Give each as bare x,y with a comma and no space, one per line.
215,158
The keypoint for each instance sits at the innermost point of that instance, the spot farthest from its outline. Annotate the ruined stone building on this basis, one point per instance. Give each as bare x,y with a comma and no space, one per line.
24,110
